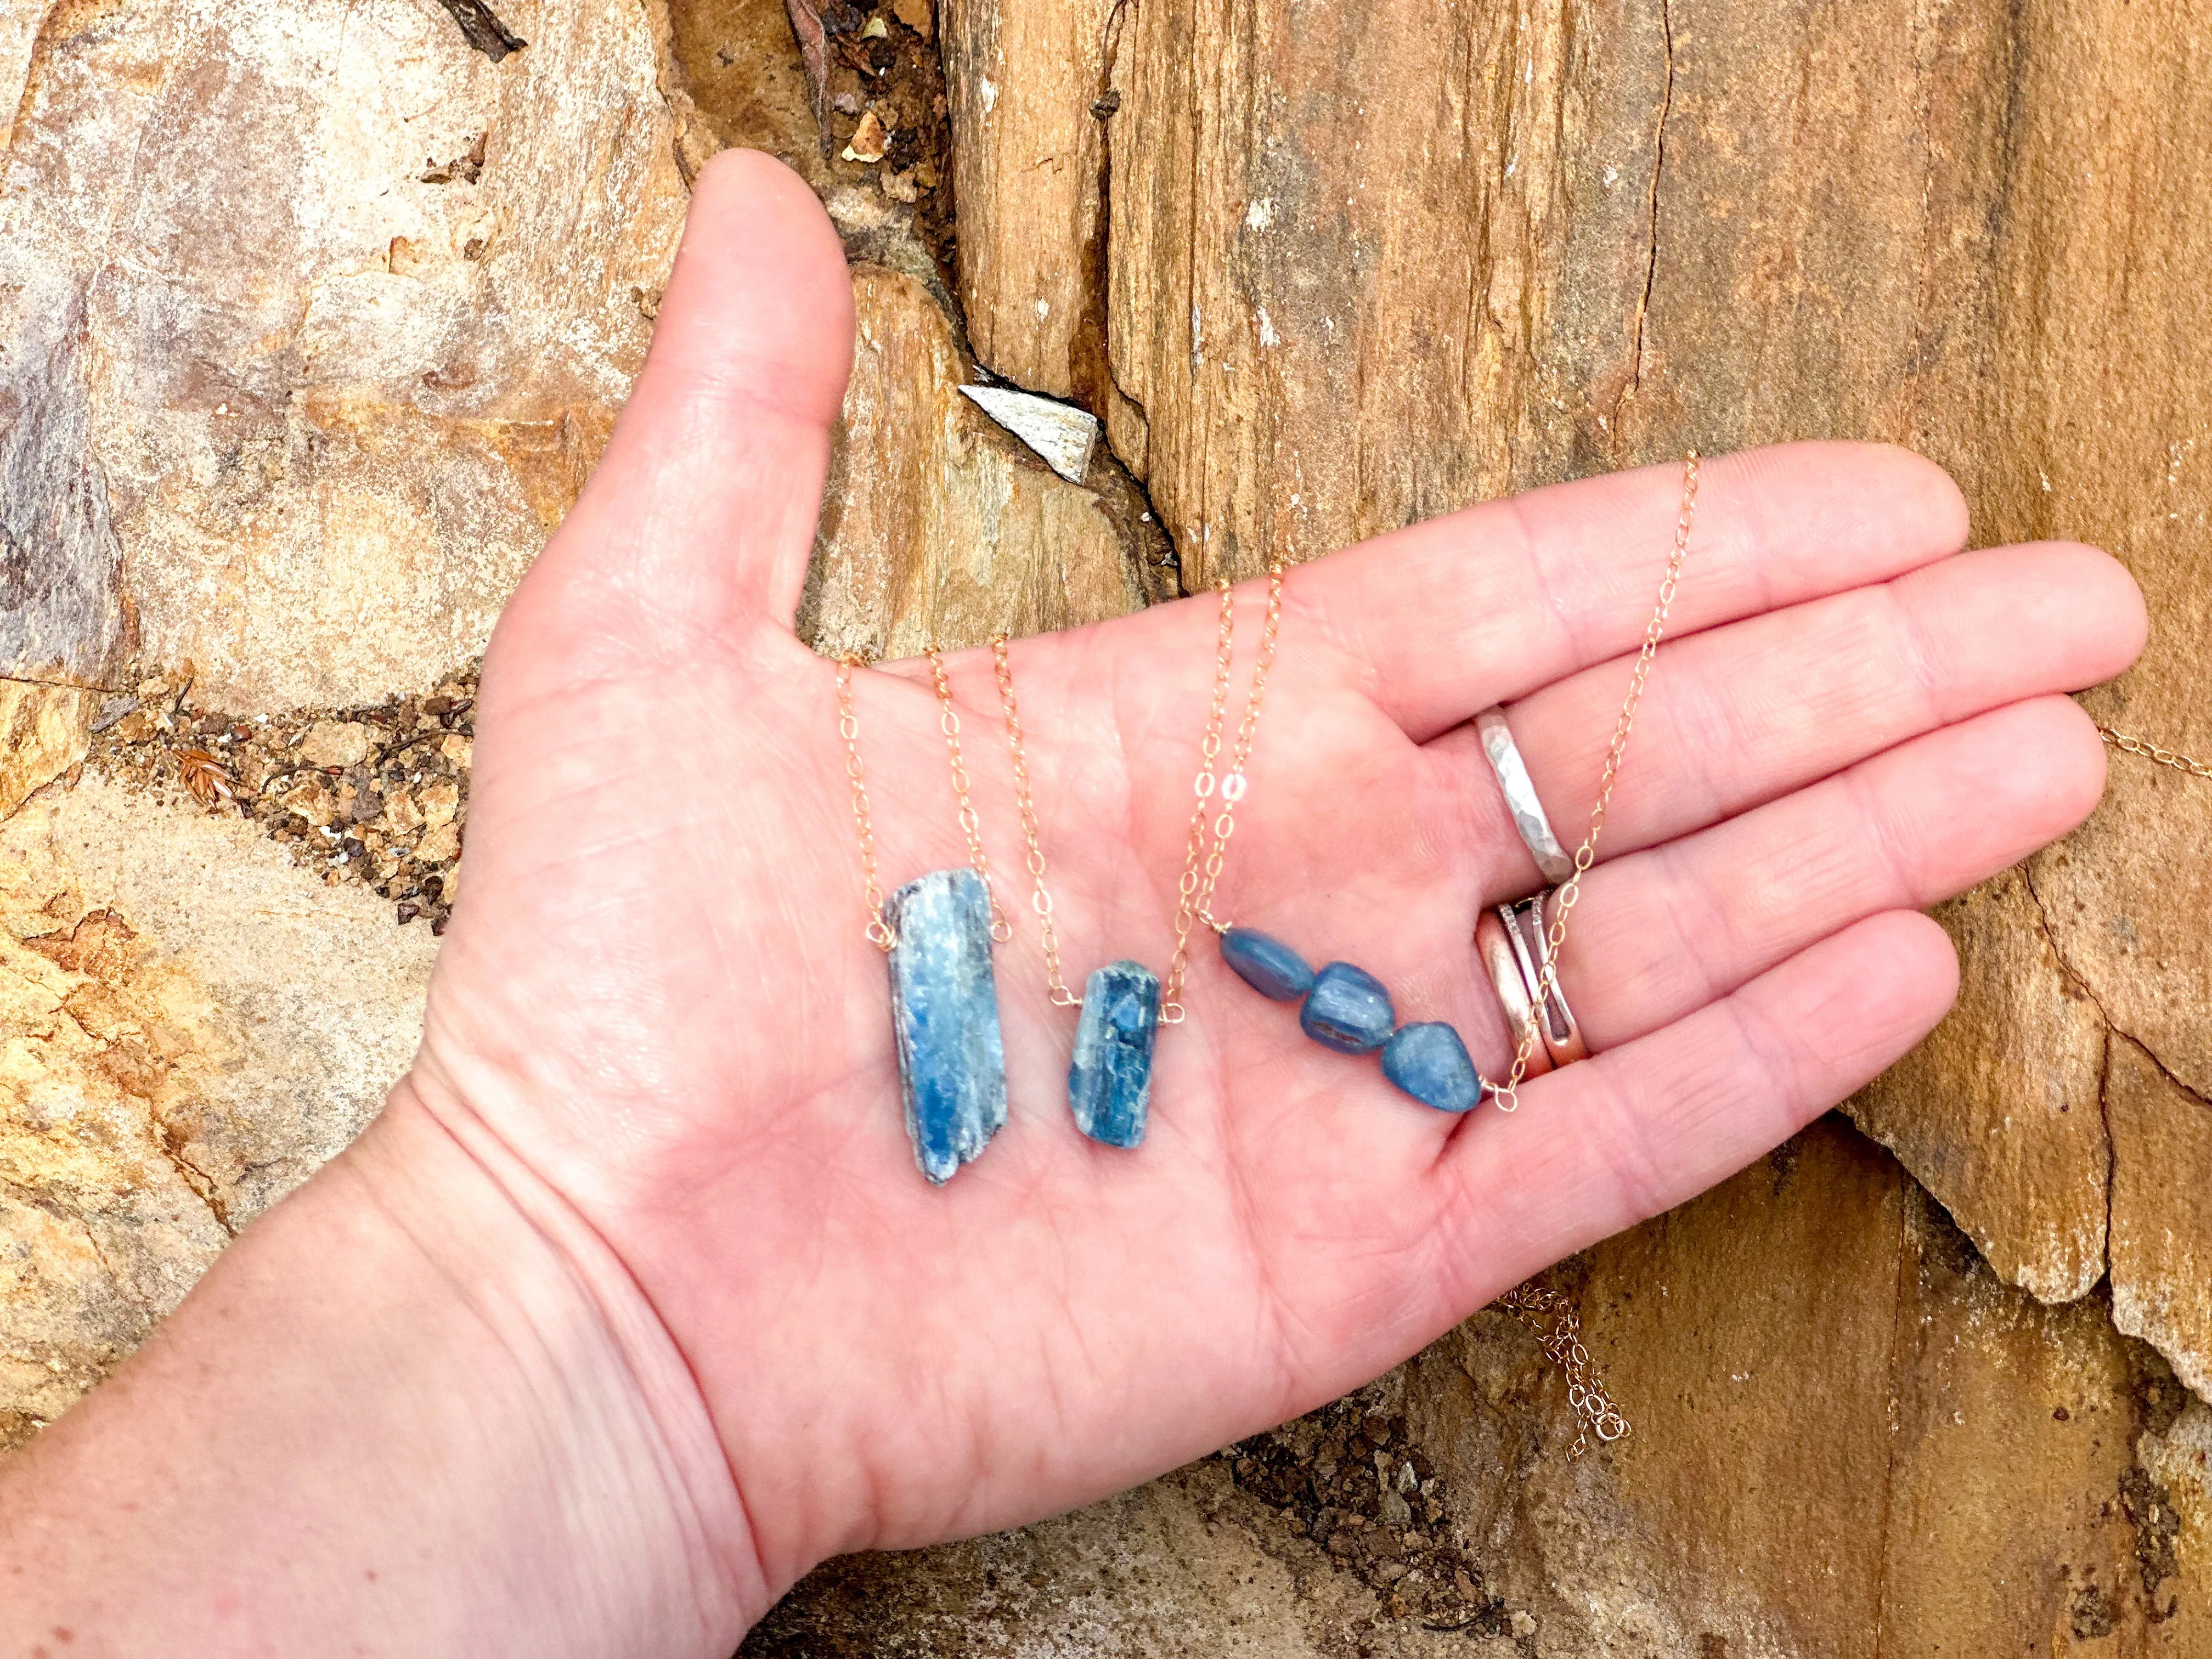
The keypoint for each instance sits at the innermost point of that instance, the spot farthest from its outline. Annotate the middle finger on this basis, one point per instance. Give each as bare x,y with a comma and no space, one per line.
1746,713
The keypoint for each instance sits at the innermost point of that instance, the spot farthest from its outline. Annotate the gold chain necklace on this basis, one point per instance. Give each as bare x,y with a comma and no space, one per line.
1124,1003
1549,1312
2129,745
1506,1095
1205,845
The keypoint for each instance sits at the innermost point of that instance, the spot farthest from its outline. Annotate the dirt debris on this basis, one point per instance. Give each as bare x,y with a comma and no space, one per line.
376,795
883,112
1353,1479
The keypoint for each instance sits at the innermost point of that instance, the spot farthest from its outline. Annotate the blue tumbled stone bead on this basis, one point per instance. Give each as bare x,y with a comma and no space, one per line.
944,1011
1429,1063
1266,965
1347,1010
1109,1085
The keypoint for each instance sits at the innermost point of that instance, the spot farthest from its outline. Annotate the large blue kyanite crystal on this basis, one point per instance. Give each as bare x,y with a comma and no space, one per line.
1429,1062
1109,1086
1347,1010
1266,964
945,1009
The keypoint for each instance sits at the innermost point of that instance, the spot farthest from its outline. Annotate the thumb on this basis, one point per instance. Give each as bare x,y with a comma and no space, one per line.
701,517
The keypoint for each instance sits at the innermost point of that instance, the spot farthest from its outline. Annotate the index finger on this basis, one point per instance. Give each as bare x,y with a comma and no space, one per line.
1447,617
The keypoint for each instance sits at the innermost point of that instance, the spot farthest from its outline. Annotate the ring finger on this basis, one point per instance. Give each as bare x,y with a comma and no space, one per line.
1663,931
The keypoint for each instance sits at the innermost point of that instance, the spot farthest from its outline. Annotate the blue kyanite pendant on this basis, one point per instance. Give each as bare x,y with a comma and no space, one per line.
945,1010
1266,964
1429,1062
1109,1085
1348,1010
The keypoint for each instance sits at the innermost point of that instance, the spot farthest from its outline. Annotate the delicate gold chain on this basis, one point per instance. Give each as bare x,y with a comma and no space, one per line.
2127,744
1194,856
1205,845
1507,1094
1040,898
1233,782
948,721
1561,1340
879,932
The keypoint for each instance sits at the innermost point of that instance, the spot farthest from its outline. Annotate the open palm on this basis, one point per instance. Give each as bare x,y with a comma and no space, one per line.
656,1002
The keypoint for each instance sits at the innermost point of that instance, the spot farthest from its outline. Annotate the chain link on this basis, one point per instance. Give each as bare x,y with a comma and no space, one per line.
2129,745
1233,782
1558,1331
879,932
1209,750
948,721
1506,1095
1040,896
1206,844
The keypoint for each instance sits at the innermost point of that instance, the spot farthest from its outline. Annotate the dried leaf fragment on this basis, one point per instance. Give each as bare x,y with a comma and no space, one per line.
208,779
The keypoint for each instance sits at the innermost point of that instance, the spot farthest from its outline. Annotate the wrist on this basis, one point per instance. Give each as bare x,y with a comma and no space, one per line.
628,1446
417,1406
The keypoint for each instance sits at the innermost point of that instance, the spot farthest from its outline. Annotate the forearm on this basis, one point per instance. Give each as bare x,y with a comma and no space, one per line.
406,1412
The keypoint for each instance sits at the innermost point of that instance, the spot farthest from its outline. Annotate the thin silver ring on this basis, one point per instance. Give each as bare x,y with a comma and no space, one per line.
1526,927
1494,943
1521,796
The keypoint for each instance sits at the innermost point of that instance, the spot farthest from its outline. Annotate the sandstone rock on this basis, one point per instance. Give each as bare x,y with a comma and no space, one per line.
1339,254
190,1024
335,743
937,524
42,735
2162,1225
2055,302
2004,1125
308,380
1027,152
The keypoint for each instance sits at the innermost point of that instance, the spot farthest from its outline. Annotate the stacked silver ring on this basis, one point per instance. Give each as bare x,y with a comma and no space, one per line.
1514,940
1516,947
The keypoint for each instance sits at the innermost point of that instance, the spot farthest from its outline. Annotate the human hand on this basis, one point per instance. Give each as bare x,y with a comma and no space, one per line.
656,1007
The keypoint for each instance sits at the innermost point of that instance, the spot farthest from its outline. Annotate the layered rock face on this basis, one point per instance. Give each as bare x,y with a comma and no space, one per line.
317,317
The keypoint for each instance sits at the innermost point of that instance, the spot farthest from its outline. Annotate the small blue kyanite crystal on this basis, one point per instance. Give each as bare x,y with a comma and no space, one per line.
1109,1086
1429,1063
1347,1010
1266,965
945,1010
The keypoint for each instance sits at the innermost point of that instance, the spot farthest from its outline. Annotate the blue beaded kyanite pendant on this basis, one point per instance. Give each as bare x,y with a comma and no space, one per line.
944,1011
1109,1085
1348,1009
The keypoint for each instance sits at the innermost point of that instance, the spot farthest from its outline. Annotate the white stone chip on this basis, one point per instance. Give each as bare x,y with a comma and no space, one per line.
1063,434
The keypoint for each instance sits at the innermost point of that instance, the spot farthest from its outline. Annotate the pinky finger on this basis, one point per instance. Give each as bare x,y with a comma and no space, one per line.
1603,1144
